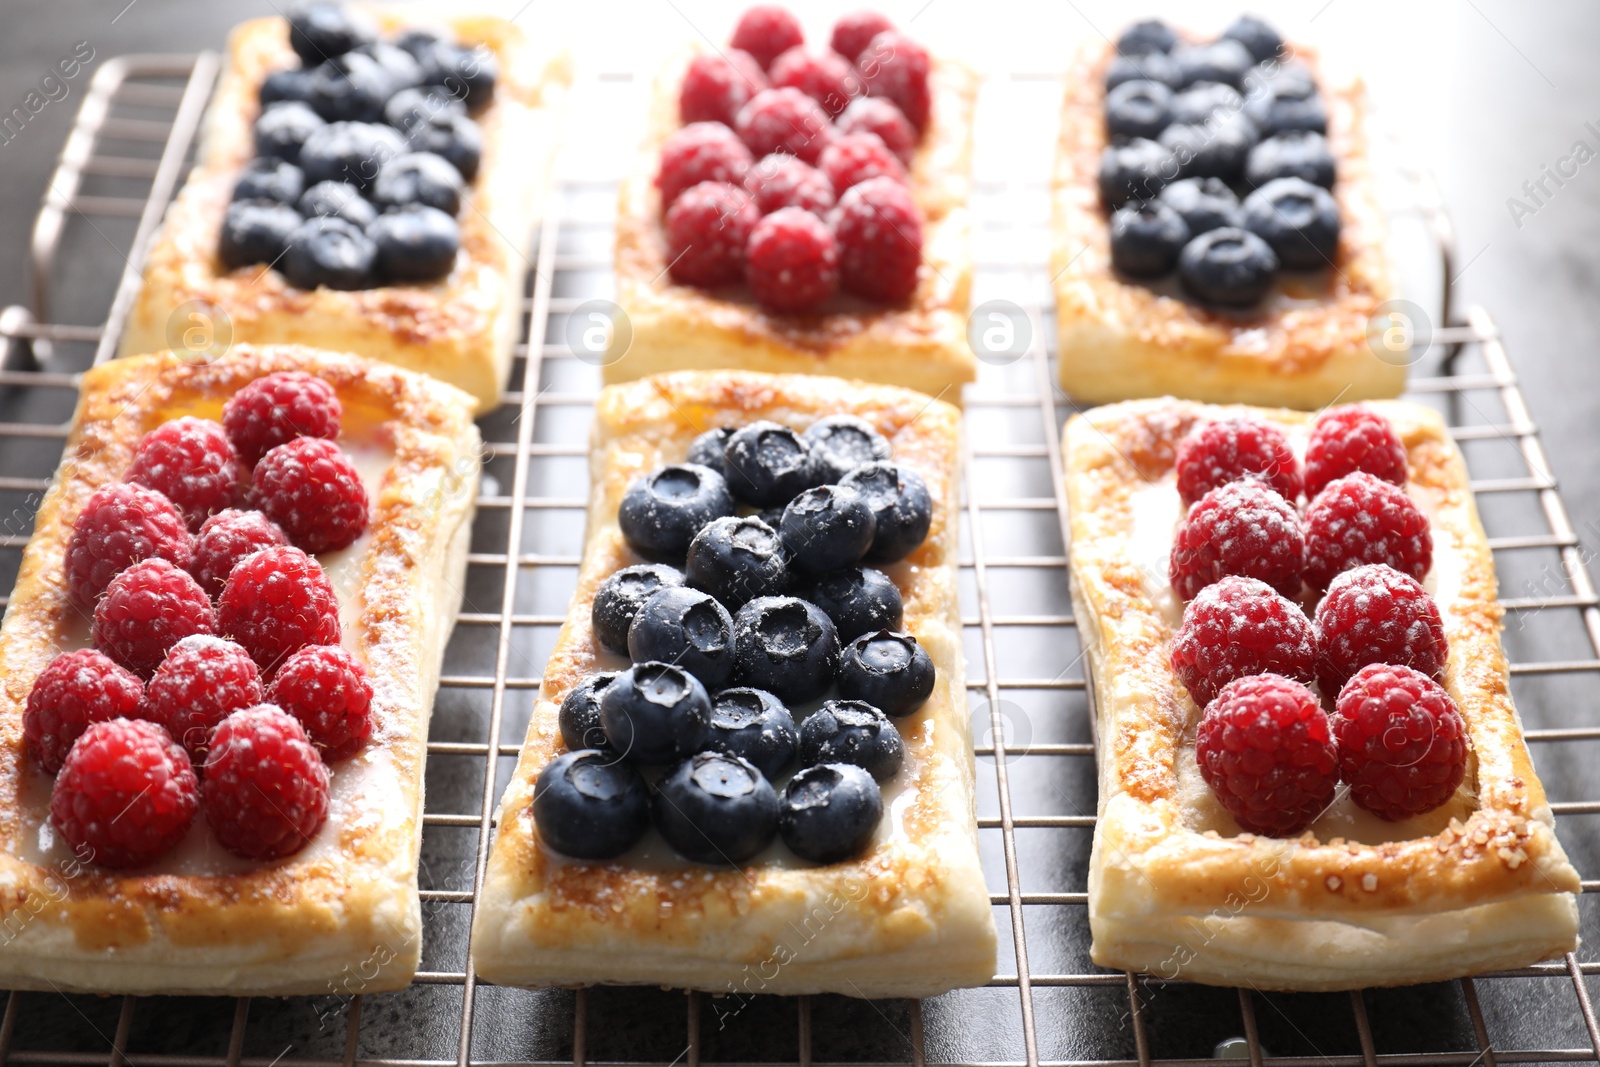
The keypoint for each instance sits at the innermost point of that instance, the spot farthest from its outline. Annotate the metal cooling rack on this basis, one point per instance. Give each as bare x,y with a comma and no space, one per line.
1049,1005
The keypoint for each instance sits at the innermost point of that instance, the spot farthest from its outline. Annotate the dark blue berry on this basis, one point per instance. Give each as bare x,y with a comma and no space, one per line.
1197,105
1296,154
470,73
1147,35
619,597
830,812
589,805
1230,267
888,670
902,510
283,128
579,716
255,231
850,731
1274,114
707,448
322,29
1134,171
1217,150
1151,66
1205,203
685,627
419,178
415,244
786,646
351,152
419,39
661,512
768,465
1299,220
716,809
408,107
654,713
329,253
264,178
451,135
294,84
826,528
1225,61
841,443
350,88
1146,238
339,199
755,725
1138,109
736,560
402,68
1257,35
857,599
1290,79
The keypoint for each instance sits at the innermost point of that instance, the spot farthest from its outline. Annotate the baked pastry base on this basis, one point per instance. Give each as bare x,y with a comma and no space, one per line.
909,918
202,921
1175,888
922,346
1305,346
461,329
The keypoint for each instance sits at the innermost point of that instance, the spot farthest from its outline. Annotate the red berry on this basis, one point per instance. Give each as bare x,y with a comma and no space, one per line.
1359,519
791,262
895,67
873,114
120,525
125,795
1265,749
326,688
192,463
1239,627
1402,741
1240,528
147,609
202,681
277,408
780,180
852,158
225,539
265,788
784,120
715,87
74,690
707,230
1226,450
1375,614
767,31
853,32
1349,439
700,152
825,77
879,230
275,603
313,492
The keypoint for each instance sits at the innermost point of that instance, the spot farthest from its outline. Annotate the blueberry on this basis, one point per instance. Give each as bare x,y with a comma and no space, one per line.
1296,154
351,152
415,244
654,712
1257,35
888,670
619,597
1138,109
282,85
255,231
1229,266
402,68
901,508
1273,114
736,560
1196,105
1134,171
1151,66
469,73
419,178
590,806
767,464
857,599
339,199
707,448
786,646
1147,35
753,724
579,717
850,731
1225,61
453,136
826,528
1216,150
328,252
828,813
841,443
685,627
270,179
419,39
350,88
1290,79
661,512
1299,220
1146,237
1205,203
716,809
283,128
408,107
321,30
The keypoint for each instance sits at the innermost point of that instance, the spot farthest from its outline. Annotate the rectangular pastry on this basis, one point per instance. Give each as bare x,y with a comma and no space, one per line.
199,919
1176,888
908,916
461,326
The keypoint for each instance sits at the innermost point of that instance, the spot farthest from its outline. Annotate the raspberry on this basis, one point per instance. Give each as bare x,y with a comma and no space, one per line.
1227,450
781,180
1238,627
313,492
202,681
853,32
854,157
326,688
873,114
147,609
1360,519
1349,439
825,77
275,603
125,795
120,525
895,67
277,408
701,152
767,31
74,690
1375,614
1265,749
1402,741
715,87
879,230
791,262
707,230
265,788
225,539
784,120
192,463
1240,528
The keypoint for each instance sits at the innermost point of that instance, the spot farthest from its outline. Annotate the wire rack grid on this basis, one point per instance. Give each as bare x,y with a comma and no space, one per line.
1049,1005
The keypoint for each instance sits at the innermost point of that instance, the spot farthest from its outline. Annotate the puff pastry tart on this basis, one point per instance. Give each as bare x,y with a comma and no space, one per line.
461,327
1476,881
907,914
200,919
